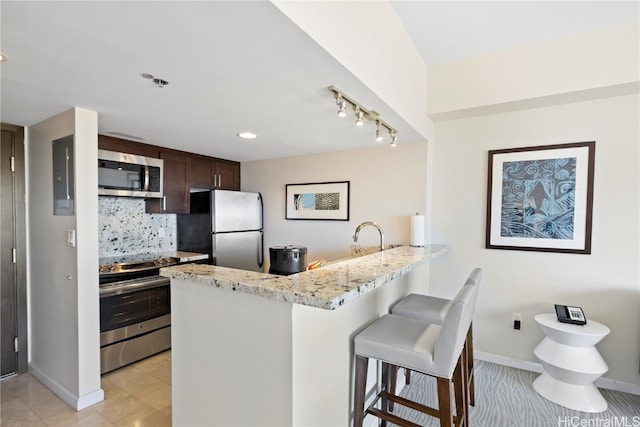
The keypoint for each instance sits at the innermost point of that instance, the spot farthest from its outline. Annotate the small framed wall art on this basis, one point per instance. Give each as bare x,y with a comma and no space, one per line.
541,198
319,200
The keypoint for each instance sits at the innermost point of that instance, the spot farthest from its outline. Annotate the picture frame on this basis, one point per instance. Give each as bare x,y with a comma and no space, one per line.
541,198
318,201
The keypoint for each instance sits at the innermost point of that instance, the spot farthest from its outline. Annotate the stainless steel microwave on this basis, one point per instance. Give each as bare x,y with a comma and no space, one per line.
129,175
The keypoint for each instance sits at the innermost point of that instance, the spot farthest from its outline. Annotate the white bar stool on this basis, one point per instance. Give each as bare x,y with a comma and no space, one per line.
431,349
430,309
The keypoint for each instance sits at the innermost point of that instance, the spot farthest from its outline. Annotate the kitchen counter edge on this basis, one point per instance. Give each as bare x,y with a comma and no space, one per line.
183,256
328,287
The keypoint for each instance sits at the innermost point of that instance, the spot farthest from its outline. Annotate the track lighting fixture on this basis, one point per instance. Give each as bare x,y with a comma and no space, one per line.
362,113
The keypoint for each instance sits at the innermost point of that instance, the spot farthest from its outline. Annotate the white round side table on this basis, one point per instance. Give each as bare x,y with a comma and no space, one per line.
571,363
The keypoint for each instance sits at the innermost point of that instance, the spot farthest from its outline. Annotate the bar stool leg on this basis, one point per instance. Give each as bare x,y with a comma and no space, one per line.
390,384
444,402
359,391
460,391
470,377
387,385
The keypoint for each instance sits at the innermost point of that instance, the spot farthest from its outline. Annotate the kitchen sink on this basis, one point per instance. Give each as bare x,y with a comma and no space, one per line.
361,250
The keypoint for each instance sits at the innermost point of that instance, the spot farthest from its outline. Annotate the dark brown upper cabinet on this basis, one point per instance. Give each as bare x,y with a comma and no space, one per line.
212,173
112,143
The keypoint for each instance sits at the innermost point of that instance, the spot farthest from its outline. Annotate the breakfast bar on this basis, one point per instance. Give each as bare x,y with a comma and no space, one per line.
260,349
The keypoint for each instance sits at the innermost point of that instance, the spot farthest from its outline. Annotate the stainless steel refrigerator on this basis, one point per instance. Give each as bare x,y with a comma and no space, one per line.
227,225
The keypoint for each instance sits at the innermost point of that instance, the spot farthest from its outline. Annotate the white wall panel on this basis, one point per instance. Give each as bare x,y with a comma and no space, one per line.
62,281
606,283
387,186
602,59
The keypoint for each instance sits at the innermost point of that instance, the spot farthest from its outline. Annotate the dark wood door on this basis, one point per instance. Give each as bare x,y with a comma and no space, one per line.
202,170
13,311
228,175
176,184
212,173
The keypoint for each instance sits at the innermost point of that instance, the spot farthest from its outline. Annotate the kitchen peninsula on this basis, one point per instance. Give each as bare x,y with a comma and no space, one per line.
260,349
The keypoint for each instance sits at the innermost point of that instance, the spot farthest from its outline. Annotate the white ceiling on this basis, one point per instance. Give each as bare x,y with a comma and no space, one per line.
238,65
445,31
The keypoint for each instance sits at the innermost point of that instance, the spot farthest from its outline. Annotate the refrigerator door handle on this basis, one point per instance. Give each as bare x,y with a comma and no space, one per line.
261,250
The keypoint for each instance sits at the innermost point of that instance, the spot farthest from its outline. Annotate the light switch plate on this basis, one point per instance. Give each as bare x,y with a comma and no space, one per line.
71,238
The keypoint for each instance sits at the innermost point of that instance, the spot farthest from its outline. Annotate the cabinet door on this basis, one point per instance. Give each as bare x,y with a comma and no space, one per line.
202,173
176,185
227,175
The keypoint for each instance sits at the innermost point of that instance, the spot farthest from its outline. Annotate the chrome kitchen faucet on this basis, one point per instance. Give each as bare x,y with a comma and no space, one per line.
373,224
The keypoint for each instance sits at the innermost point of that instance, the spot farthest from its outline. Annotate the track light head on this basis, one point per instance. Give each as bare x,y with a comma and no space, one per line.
342,105
378,132
394,140
342,108
359,117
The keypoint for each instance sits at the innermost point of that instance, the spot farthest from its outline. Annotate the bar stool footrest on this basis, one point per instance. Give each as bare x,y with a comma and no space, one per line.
410,404
401,422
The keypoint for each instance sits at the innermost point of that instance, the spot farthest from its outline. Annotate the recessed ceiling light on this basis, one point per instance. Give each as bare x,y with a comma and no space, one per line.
3,57
247,135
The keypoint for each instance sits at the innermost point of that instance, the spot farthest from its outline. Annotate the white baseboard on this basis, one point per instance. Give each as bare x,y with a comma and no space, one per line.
76,402
90,399
536,367
507,361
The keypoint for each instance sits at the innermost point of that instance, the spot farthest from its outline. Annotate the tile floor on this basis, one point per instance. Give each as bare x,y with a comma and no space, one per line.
136,395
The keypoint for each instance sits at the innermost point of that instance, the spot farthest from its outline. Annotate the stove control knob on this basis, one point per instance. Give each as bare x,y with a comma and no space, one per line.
107,268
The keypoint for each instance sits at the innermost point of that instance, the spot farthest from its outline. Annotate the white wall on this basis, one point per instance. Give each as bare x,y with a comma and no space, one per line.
606,283
62,281
587,63
231,358
387,186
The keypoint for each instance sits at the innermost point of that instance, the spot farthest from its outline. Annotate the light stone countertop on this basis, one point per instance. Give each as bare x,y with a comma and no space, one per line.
183,256
180,256
327,287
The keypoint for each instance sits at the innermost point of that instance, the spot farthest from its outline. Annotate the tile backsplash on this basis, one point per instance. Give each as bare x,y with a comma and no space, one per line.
125,228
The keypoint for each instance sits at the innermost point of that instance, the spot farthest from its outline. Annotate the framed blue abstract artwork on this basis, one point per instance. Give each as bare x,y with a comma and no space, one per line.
541,198
318,200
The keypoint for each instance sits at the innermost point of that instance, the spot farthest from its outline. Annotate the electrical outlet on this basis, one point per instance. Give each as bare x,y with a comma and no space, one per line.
517,320
161,233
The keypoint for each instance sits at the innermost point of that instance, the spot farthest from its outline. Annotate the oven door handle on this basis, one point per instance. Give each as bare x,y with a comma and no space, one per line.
148,283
